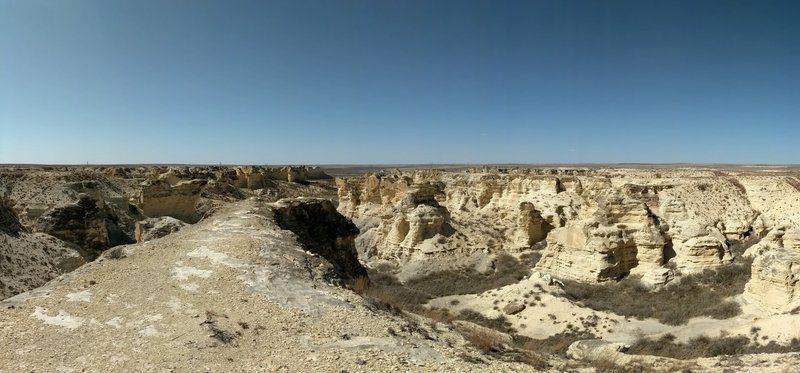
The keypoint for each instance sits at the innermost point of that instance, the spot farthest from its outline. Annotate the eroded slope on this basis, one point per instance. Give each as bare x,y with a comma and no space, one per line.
232,293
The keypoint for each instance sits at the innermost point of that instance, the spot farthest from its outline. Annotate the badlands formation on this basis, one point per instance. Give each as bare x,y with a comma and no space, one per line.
472,269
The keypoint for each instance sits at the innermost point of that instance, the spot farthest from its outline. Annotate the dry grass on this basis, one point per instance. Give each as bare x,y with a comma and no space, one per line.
485,342
702,294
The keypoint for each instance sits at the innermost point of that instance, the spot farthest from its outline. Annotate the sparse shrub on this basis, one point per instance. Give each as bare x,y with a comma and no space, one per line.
384,291
360,285
500,323
707,347
508,270
116,253
702,294
485,342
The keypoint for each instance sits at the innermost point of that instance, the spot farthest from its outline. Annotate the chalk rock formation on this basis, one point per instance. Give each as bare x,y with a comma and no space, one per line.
245,177
86,224
531,227
428,213
159,198
775,282
780,236
620,236
598,224
152,228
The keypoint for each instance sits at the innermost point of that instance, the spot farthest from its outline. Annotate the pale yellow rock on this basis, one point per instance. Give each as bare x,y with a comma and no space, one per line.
598,224
775,282
159,198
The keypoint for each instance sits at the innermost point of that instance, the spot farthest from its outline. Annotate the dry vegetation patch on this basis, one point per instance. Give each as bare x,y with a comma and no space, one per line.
707,347
385,288
701,294
385,291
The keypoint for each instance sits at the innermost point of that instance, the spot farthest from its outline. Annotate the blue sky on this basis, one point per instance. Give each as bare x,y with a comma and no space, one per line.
322,82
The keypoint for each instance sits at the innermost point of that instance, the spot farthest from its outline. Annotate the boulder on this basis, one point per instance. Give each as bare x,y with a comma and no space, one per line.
513,308
596,349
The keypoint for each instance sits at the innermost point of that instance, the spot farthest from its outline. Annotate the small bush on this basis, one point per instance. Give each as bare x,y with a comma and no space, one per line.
360,285
485,342
116,253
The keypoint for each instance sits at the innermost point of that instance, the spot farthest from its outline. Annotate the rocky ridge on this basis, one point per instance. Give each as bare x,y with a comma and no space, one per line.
217,295
87,210
290,258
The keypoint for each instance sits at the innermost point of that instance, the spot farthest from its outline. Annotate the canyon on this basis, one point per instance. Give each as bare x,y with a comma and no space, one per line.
519,268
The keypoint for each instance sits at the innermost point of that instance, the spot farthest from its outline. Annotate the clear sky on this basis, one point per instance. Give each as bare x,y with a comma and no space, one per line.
339,81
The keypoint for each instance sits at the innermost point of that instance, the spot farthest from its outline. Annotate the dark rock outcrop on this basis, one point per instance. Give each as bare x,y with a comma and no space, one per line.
323,231
9,223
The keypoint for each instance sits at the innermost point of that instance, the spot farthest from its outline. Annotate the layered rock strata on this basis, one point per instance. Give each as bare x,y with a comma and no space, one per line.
775,282
594,224
159,198
87,225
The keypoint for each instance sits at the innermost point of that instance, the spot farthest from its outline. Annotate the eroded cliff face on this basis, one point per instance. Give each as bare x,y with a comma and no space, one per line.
87,224
28,260
594,225
225,290
159,198
620,237
430,213
322,231
775,282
